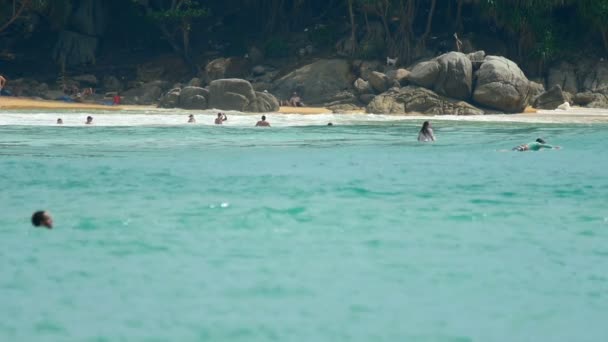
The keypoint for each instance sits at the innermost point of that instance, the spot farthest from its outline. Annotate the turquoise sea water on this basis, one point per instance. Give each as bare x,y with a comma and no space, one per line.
304,233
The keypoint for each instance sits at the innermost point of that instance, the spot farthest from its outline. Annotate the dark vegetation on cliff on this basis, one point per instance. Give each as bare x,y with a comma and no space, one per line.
51,37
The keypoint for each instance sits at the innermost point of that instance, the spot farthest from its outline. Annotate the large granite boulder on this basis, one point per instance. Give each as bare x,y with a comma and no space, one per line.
425,74
194,98
476,58
170,99
316,83
450,74
455,78
398,76
501,85
378,82
238,94
594,76
563,75
264,102
591,100
551,99
362,87
417,100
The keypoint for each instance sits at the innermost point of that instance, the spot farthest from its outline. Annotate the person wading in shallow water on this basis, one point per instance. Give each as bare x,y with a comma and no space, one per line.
42,218
426,133
191,119
89,120
263,122
221,117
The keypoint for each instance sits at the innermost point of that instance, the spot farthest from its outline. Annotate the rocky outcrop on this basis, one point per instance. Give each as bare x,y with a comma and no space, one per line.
232,67
551,99
563,75
450,75
591,100
145,94
501,85
316,83
362,87
417,100
170,99
193,98
476,59
238,94
398,76
594,77
378,81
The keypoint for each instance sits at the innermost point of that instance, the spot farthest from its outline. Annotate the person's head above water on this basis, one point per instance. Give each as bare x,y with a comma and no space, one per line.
425,126
541,141
219,115
263,117
42,218
330,124
89,119
59,121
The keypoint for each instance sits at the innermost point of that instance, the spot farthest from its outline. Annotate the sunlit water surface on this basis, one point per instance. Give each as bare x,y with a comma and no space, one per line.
301,232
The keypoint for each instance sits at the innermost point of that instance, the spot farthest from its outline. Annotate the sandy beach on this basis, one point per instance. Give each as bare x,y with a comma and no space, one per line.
34,104
531,115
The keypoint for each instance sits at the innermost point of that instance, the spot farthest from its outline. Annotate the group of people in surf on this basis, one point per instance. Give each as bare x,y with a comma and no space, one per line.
221,117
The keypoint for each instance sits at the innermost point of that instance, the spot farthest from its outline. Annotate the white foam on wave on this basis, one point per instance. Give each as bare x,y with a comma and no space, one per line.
238,119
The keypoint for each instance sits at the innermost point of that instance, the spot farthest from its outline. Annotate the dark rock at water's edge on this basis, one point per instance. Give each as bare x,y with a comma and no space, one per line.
413,99
225,94
551,99
145,93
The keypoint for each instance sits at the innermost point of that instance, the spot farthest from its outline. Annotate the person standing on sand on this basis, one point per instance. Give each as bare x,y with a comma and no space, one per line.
2,83
426,133
221,117
263,122
42,218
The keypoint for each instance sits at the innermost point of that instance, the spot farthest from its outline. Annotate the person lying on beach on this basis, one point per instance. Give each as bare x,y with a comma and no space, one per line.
59,121
221,117
537,145
191,119
2,83
89,120
426,133
263,122
42,218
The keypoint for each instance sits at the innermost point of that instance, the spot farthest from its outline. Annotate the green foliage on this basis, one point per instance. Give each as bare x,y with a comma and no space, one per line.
276,47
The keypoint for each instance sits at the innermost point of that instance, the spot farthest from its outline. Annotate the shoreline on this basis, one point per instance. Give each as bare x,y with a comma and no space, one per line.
578,115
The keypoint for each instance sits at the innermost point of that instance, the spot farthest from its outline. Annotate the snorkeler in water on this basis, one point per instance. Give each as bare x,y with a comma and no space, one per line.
42,218
537,145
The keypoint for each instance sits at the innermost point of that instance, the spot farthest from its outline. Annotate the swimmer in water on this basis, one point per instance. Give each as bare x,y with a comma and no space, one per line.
42,218
330,124
538,145
263,122
221,117
89,120
59,121
191,119
426,133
